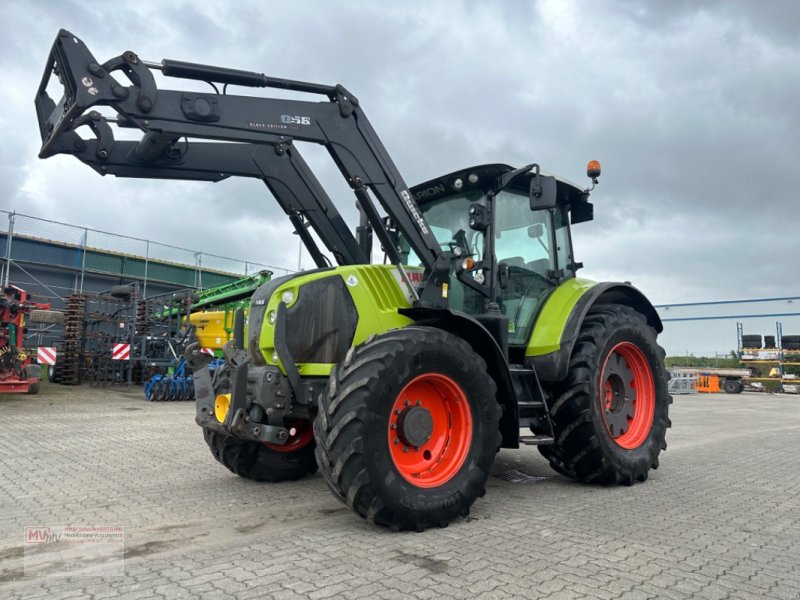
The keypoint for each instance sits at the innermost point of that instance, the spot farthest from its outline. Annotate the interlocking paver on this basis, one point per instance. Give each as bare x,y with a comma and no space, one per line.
717,520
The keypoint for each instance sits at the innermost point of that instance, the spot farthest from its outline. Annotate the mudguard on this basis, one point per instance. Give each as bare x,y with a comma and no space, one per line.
551,359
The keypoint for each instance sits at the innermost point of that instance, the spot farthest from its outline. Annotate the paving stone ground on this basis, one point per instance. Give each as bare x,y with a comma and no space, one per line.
719,519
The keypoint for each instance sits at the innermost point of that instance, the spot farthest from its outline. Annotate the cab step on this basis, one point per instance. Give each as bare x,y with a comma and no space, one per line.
536,440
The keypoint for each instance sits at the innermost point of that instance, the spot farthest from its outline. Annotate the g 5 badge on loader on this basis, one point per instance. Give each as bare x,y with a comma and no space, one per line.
398,381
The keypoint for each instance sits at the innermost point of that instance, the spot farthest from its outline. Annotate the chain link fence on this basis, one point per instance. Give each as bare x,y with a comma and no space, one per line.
26,239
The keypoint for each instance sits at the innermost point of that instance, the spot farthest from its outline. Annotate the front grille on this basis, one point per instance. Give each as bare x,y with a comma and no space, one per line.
321,323
383,290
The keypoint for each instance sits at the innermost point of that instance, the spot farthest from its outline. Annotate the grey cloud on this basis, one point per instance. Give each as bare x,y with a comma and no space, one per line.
691,108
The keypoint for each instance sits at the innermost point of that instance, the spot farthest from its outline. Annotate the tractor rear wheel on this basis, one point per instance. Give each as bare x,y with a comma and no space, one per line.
266,462
407,428
611,414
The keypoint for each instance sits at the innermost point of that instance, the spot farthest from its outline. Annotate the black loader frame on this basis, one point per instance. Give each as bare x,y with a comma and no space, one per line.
253,137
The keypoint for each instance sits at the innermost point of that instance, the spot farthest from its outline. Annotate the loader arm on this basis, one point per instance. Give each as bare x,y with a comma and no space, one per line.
253,137
281,168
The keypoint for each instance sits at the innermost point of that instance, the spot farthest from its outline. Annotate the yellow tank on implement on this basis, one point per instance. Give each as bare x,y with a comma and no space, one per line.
213,328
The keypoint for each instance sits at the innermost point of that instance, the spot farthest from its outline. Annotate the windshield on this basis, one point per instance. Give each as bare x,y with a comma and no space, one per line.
446,217
523,241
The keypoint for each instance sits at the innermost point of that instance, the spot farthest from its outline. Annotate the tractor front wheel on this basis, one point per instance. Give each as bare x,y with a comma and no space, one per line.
407,428
611,415
266,462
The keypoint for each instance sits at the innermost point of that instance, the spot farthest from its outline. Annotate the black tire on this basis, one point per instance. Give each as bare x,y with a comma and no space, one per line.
34,371
769,341
356,411
731,386
585,448
739,387
121,291
53,317
790,342
254,460
751,341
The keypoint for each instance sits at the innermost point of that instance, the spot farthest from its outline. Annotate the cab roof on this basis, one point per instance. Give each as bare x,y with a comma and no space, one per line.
439,187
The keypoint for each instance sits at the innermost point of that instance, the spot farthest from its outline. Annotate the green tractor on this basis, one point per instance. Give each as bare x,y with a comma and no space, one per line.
399,381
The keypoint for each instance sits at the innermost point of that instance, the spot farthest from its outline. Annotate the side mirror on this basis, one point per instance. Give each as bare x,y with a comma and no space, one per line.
543,192
535,231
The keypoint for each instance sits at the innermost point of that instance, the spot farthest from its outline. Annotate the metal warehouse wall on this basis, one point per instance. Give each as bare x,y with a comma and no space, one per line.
53,283
709,328
52,260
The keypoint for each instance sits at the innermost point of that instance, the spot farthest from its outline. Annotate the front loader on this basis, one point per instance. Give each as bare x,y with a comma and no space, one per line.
398,381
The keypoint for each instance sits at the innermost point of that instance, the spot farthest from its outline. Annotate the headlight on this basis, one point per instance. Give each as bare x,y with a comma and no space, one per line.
287,296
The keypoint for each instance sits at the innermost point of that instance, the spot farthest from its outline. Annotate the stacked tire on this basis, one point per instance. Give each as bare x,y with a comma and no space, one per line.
769,341
751,341
790,342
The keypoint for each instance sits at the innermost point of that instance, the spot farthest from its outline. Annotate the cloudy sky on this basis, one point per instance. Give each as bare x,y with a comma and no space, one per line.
692,108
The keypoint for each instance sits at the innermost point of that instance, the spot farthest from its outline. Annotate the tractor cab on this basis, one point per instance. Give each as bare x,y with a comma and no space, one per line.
532,243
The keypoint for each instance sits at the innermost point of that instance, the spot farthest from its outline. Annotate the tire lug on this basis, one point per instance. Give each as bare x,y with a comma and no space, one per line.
396,440
394,425
408,403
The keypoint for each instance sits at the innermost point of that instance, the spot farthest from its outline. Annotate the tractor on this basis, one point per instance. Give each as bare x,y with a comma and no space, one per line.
399,381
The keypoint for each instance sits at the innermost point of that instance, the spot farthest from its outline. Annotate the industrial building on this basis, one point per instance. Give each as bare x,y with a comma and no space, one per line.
710,328
52,260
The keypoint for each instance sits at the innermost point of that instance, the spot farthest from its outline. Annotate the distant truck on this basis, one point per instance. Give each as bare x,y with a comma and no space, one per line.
711,379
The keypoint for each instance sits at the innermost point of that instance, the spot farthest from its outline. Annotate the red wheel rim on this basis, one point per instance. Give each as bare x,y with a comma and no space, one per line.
627,395
300,436
439,408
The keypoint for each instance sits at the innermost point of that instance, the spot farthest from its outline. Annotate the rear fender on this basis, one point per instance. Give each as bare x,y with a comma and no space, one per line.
553,366
477,336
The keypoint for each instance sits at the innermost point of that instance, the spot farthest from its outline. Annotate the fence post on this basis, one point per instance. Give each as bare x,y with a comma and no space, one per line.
146,264
198,256
83,259
9,239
